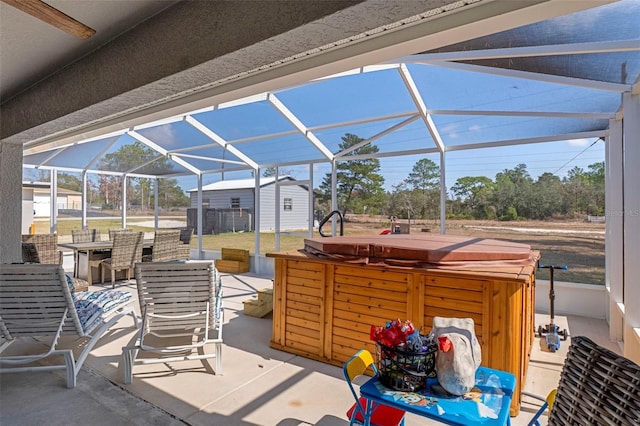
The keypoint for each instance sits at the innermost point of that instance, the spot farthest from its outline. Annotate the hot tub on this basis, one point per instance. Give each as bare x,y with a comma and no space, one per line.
327,295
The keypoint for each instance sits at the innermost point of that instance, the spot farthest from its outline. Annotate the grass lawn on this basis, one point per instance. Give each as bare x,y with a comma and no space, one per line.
581,250
243,240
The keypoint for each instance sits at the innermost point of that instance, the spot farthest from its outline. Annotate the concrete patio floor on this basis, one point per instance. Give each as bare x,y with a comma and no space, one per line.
258,385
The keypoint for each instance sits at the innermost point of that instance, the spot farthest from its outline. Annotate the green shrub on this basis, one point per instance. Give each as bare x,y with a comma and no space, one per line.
511,214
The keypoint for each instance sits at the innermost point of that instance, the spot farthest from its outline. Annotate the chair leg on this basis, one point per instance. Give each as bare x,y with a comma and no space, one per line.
135,319
218,358
534,421
71,369
128,355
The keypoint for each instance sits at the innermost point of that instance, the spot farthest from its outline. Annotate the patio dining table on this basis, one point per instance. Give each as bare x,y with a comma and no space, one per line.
89,255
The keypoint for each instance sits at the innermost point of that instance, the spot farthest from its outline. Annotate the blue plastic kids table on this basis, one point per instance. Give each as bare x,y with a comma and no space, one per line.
486,404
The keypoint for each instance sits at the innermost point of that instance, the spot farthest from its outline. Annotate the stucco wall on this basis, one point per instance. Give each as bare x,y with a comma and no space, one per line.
10,202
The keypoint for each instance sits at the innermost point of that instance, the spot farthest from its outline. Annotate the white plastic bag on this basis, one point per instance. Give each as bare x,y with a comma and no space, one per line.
459,354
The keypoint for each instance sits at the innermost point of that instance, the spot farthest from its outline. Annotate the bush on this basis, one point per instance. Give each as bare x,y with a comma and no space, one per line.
511,214
490,212
460,216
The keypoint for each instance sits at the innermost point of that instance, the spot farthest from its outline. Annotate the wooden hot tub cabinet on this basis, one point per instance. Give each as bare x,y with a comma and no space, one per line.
323,309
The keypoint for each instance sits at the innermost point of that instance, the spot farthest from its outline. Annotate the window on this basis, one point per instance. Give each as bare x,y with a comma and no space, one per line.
288,204
235,203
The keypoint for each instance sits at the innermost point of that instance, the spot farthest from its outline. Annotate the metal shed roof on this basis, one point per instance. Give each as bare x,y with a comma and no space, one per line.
239,183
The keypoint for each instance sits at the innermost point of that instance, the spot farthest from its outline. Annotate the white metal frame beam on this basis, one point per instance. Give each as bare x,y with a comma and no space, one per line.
525,141
413,90
84,199
202,157
614,239
220,141
378,136
53,196
103,151
42,148
101,172
631,226
148,142
534,76
295,121
139,166
548,114
524,52
356,71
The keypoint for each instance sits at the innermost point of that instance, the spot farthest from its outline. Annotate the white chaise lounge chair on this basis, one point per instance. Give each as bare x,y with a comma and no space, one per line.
177,299
37,300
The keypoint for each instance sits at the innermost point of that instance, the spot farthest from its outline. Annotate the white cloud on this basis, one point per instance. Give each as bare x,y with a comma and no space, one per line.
450,130
579,142
475,128
164,136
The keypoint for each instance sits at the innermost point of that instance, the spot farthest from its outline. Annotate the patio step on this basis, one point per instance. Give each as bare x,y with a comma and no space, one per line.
260,305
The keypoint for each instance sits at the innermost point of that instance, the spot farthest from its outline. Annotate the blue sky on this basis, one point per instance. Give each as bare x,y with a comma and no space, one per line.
554,157
383,94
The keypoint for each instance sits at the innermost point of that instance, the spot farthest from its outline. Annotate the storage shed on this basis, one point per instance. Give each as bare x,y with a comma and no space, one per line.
36,201
229,205
66,199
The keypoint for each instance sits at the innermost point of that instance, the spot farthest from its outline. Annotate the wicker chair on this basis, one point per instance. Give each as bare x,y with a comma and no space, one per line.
47,246
85,235
126,251
82,236
114,231
597,386
165,246
184,249
30,253
185,234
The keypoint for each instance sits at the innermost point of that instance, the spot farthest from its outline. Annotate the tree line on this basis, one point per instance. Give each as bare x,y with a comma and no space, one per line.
105,191
513,194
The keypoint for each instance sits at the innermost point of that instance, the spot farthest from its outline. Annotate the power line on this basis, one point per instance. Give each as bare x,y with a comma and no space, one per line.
576,156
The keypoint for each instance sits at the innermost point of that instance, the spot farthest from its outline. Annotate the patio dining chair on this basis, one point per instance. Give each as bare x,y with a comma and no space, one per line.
82,236
38,301
184,249
186,233
47,246
126,251
597,387
30,253
165,246
363,411
114,231
177,300
85,235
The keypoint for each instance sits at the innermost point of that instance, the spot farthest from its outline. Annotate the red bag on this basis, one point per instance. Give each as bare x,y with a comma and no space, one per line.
393,334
